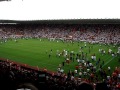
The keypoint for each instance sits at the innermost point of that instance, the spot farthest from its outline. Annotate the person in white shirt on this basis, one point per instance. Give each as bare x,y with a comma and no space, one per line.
83,61
92,57
85,64
109,68
72,78
61,70
58,69
109,51
104,52
75,71
113,54
90,64
78,60
80,74
119,76
88,70
99,50
108,77
85,73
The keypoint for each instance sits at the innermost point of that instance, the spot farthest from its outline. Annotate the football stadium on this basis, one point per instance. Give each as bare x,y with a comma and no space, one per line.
89,52
59,54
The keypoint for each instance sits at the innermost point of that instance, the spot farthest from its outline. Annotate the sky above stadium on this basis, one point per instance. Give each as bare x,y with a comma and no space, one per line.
59,9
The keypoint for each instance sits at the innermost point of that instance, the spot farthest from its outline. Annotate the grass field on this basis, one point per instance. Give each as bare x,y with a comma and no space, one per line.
36,53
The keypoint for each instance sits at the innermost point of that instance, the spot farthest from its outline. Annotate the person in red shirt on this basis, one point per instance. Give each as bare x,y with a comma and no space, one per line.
91,76
76,67
114,74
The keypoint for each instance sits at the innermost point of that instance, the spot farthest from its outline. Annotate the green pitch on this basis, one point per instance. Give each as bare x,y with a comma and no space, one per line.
36,53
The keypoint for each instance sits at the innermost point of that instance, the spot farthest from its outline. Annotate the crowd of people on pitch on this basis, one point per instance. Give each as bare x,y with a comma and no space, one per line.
97,33
13,74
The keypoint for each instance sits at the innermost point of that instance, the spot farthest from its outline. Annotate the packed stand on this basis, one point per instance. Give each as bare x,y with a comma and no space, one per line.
92,33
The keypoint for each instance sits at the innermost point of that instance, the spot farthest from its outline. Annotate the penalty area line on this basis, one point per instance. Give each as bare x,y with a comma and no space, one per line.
107,63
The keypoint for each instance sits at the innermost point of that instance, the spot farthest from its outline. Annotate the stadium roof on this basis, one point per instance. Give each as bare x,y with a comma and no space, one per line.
69,21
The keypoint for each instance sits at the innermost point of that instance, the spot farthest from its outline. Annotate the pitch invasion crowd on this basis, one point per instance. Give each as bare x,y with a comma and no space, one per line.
97,33
16,73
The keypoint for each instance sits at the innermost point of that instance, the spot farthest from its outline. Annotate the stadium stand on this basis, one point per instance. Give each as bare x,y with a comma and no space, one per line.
91,33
